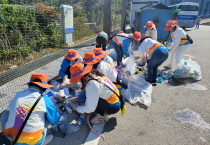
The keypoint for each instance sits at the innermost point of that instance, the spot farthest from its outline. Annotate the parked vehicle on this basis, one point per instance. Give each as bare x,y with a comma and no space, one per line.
188,14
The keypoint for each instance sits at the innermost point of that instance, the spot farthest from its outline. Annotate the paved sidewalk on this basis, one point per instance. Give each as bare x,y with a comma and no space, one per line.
9,89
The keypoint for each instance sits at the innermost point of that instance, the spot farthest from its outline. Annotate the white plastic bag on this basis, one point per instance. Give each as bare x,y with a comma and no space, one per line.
56,84
188,68
130,66
138,90
112,54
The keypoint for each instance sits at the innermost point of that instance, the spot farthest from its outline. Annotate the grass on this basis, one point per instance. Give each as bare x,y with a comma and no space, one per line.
11,64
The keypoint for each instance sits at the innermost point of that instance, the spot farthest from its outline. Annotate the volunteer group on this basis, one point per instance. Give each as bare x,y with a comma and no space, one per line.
100,81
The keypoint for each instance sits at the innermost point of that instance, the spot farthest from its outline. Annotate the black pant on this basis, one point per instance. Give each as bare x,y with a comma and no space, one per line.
104,107
101,42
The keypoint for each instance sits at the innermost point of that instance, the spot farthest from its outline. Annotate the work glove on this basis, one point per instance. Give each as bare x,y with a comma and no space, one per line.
65,82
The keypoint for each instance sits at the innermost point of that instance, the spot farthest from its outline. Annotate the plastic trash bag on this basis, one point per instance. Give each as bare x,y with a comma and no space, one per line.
138,90
56,84
188,69
113,54
130,66
125,60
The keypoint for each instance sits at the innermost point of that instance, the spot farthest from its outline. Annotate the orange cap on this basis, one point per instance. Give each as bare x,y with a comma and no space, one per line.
121,32
170,24
72,54
145,35
150,25
42,77
78,71
99,52
136,36
90,58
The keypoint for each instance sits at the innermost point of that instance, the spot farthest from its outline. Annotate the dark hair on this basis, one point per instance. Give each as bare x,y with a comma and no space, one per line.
91,75
96,65
174,28
35,85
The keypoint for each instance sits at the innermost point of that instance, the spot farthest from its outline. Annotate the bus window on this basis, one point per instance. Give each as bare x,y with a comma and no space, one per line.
188,8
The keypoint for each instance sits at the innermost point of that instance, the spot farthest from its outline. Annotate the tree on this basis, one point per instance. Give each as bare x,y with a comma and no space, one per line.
107,25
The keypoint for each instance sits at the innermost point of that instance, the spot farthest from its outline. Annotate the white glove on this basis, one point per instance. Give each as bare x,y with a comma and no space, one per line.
65,82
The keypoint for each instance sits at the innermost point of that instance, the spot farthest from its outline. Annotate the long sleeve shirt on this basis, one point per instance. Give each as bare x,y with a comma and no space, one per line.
145,46
176,36
109,60
123,40
18,110
65,64
108,70
95,90
152,33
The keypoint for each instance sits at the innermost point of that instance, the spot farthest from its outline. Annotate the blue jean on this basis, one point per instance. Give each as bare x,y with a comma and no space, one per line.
197,26
119,52
5,116
158,57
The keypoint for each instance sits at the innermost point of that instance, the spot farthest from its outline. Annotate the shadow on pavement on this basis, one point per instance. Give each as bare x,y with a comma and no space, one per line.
110,125
179,82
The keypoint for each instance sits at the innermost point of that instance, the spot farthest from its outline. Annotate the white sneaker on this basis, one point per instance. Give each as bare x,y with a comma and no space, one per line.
48,139
169,66
97,119
106,117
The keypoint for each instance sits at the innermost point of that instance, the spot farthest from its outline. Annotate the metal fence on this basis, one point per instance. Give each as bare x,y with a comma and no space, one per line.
31,37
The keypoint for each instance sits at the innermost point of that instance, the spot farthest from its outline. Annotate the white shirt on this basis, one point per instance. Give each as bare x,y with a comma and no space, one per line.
108,70
177,35
109,60
79,60
145,46
121,37
152,33
94,91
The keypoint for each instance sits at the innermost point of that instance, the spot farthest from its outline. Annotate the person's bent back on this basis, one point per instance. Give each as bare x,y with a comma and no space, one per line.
35,129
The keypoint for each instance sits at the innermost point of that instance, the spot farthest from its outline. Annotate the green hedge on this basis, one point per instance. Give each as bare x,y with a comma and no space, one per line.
33,25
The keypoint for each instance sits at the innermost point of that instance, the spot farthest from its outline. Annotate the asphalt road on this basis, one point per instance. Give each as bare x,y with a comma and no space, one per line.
157,125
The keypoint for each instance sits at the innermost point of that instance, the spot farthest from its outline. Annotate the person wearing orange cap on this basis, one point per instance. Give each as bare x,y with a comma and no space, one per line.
158,53
108,70
151,30
136,38
72,57
121,42
120,32
101,40
106,57
180,42
35,130
98,89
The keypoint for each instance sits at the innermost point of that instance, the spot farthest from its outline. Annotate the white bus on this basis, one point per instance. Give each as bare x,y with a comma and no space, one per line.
188,14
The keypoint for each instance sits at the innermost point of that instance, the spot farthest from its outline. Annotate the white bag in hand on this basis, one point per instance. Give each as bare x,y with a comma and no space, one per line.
130,66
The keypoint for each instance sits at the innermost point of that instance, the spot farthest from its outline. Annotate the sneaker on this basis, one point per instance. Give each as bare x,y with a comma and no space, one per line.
122,65
169,66
48,139
97,119
154,84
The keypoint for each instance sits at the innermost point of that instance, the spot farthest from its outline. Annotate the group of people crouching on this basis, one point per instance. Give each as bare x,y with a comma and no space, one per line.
98,78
